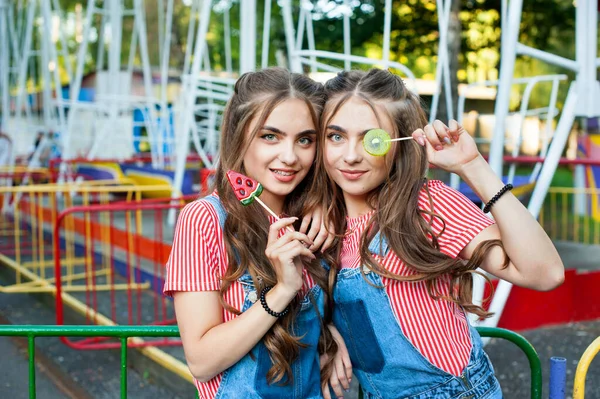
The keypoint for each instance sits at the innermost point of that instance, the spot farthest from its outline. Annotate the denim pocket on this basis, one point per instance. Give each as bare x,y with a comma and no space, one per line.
358,332
281,389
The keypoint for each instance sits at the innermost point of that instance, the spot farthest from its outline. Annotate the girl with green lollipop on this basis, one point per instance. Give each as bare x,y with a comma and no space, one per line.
411,245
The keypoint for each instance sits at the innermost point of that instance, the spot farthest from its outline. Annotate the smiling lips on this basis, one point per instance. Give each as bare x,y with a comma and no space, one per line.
284,175
352,174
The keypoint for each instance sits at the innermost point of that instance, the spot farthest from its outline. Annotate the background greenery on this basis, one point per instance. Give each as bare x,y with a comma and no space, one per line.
475,35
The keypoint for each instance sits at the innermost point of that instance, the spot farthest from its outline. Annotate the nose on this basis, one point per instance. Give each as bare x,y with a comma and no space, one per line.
288,154
353,152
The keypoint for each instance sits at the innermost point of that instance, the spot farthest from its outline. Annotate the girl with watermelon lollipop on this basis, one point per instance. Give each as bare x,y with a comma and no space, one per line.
411,246
250,297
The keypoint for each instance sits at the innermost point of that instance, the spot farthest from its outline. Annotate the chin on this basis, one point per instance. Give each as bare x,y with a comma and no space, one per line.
354,192
280,189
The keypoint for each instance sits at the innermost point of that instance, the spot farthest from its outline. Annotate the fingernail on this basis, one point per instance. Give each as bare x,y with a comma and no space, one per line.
439,147
420,141
447,140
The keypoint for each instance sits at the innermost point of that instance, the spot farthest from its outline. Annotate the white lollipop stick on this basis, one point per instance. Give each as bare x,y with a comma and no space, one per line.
271,212
401,138
376,141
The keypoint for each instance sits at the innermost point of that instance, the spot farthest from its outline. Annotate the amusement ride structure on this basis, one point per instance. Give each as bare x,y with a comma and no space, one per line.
101,128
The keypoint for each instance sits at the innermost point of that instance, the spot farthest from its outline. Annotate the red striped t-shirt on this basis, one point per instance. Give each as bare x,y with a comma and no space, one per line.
437,328
197,261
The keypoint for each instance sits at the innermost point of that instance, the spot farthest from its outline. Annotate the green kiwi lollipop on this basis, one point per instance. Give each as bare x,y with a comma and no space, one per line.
378,142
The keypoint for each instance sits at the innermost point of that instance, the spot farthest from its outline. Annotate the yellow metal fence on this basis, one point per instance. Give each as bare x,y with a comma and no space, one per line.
572,214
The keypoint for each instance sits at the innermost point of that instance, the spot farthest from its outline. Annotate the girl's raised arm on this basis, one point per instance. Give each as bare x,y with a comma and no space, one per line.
533,259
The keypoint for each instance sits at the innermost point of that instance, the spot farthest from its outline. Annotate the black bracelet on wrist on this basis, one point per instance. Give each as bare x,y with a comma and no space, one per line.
495,198
263,302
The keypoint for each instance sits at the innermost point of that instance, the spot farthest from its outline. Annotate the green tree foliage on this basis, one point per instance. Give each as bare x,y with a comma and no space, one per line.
546,24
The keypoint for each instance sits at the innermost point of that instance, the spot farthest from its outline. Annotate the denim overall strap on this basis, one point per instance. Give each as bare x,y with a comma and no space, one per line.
248,377
219,208
385,362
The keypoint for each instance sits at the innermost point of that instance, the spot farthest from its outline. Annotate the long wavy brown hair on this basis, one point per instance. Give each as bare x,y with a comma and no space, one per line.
256,95
398,217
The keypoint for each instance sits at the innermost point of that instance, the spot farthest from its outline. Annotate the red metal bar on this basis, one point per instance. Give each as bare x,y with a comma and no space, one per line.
111,208
128,267
111,276
562,161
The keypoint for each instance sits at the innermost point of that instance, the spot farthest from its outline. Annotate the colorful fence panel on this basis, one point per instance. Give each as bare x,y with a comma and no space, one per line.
123,249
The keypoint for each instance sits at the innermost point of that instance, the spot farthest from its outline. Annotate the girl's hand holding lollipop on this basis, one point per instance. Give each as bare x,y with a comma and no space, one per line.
448,147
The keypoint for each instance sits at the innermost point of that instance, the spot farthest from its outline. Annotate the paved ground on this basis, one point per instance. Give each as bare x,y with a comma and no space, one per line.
14,370
63,372
70,373
568,341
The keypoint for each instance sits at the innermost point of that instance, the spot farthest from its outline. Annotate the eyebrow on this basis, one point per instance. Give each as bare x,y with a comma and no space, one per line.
277,131
342,130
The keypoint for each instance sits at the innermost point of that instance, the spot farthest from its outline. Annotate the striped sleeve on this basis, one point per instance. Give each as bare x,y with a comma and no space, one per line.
193,264
463,220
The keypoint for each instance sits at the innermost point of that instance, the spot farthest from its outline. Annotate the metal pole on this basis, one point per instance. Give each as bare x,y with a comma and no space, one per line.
310,35
45,64
347,44
4,65
247,36
63,43
288,23
387,27
266,35
165,132
558,377
53,58
21,81
189,88
140,23
76,83
507,66
442,70
227,39
586,33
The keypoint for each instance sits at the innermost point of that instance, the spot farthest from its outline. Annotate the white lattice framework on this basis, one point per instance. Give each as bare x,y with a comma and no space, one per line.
583,100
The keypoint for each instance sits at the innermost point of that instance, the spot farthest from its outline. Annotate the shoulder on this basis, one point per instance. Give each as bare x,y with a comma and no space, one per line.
201,214
442,196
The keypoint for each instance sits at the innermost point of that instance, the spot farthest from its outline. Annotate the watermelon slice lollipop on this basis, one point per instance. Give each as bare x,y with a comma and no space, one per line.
245,188
377,142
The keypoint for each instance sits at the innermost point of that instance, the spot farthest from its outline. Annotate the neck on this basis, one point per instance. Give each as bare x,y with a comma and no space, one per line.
356,205
275,202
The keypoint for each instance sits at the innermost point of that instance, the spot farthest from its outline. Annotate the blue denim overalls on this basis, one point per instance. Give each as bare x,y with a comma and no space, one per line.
248,377
385,362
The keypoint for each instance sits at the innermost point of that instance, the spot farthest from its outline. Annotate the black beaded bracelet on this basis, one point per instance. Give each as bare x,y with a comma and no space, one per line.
263,302
495,198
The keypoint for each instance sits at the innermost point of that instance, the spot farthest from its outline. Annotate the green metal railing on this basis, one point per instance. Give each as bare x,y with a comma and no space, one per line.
534,360
121,332
125,332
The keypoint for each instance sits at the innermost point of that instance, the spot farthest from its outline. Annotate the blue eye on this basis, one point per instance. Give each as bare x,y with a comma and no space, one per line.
335,137
305,140
268,137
